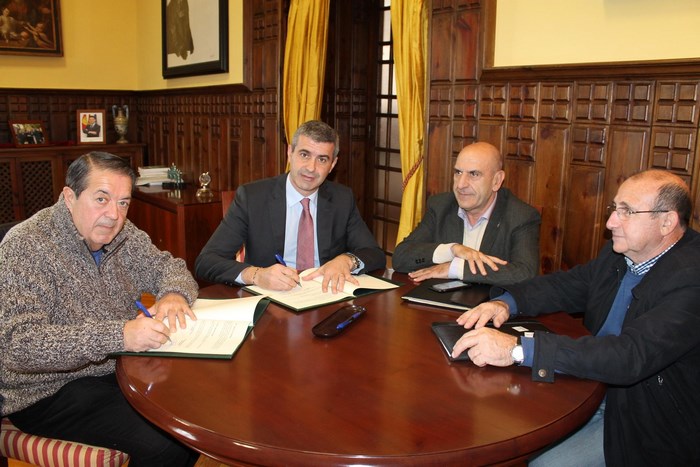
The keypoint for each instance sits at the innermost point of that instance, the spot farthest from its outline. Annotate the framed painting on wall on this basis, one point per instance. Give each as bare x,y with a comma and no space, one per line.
27,133
30,27
195,37
91,126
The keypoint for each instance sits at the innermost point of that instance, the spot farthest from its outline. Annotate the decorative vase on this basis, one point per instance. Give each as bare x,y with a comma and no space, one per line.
121,122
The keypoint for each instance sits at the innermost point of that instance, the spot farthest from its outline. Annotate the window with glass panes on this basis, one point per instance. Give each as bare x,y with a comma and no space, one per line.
387,159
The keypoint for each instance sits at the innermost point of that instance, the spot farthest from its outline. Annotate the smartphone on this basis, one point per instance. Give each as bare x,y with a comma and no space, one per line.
338,321
449,286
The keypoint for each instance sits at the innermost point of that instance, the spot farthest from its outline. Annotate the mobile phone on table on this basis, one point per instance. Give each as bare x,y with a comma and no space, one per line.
338,321
449,286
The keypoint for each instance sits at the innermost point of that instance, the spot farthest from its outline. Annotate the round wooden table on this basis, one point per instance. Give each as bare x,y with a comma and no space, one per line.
381,393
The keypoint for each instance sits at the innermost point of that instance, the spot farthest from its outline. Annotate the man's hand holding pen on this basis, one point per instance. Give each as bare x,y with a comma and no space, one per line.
275,277
149,330
144,333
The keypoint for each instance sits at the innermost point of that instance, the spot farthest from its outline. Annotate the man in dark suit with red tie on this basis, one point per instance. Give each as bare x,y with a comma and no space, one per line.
269,217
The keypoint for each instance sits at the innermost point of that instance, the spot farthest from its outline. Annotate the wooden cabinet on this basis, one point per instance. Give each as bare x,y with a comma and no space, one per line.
32,178
176,220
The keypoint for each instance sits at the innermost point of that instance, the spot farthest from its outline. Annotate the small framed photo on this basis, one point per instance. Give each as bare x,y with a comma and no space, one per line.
28,133
91,126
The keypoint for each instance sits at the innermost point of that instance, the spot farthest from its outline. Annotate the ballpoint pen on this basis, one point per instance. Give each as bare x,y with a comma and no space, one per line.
349,320
143,309
280,260
146,313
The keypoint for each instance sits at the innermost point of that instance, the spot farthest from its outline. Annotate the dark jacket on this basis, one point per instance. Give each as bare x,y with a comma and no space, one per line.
257,217
652,414
512,234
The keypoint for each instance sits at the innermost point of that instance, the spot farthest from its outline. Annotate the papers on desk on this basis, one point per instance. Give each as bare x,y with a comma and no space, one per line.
310,294
220,329
152,176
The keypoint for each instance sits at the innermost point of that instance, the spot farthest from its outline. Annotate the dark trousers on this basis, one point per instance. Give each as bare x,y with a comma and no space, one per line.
93,410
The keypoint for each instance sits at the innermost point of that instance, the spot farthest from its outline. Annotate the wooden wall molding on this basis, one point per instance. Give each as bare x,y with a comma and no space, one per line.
618,70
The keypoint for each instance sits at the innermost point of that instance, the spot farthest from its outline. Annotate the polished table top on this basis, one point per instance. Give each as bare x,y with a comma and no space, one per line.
380,393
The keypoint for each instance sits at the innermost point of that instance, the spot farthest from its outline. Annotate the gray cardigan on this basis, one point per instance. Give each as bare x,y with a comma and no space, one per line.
61,314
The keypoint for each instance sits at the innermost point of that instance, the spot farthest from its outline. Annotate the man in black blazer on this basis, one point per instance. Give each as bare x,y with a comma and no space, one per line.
639,299
264,217
480,232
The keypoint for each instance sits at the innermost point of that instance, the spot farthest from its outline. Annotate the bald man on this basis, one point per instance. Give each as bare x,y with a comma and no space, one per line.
481,232
639,299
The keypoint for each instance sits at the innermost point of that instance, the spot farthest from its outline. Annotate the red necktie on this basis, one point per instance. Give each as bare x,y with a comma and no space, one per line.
305,238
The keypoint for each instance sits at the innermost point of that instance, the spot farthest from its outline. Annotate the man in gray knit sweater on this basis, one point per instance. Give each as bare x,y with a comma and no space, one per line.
69,277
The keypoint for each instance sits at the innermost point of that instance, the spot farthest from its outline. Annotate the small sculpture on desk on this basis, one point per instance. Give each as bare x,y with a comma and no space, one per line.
121,122
204,192
175,175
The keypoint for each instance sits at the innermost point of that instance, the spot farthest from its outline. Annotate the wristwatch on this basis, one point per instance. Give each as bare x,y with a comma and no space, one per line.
355,261
517,353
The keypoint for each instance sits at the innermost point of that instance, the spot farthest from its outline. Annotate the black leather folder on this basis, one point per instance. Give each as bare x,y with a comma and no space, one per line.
462,299
449,332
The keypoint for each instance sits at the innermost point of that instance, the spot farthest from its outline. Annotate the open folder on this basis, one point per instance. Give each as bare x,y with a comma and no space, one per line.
310,293
220,329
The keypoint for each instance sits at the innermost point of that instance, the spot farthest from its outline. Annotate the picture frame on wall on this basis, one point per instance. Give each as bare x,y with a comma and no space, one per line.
30,28
91,126
195,37
28,133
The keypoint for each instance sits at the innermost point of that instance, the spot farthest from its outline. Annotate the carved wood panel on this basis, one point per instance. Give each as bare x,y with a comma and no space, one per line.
570,135
7,193
549,190
584,217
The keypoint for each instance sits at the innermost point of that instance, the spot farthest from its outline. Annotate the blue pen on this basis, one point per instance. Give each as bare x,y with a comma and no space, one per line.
146,313
280,260
143,309
348,321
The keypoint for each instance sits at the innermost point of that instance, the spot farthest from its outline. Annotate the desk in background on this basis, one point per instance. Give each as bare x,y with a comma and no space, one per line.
381,393
176,220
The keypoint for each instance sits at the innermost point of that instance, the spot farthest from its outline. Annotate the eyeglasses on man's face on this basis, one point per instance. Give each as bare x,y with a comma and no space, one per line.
624,212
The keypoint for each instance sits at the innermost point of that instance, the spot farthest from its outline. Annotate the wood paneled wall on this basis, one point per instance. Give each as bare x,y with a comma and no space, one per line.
233,132
56,110
570,134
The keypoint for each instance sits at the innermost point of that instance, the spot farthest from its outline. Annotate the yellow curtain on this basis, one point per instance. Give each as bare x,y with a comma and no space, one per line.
409,25
304,63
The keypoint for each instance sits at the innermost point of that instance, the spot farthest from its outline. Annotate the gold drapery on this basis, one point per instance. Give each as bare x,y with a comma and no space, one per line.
409,25
304,63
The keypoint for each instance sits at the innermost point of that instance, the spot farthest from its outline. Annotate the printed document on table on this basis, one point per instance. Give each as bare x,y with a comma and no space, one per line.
310,294
220,328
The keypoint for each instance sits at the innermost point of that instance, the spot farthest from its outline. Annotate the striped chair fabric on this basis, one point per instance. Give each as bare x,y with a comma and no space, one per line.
48,452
